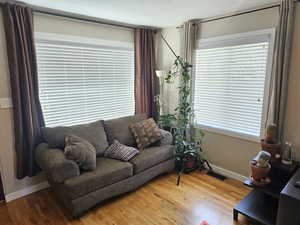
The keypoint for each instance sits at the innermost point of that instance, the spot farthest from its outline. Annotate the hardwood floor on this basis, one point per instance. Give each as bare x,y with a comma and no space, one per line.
160,202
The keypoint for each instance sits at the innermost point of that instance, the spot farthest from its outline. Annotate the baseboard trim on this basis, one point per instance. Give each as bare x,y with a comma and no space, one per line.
26,191
228,173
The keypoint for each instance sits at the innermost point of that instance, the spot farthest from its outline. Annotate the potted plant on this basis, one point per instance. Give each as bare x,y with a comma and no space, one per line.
188,151
260,168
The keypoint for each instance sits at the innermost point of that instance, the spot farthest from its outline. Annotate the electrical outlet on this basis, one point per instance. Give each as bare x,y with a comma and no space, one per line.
5,103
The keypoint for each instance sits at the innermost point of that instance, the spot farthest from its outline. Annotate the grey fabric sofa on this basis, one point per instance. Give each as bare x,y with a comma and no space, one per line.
79,190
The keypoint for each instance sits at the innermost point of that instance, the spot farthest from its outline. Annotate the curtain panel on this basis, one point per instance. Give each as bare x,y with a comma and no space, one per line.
280,66
145,79
190,35
189,39
27,113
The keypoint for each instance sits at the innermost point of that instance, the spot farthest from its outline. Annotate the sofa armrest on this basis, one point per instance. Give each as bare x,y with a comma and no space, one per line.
167,138
53,161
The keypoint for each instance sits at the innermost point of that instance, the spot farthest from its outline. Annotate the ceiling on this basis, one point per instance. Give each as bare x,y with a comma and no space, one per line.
158,13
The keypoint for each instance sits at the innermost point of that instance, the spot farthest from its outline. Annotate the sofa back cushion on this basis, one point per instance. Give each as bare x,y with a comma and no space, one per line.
119,129
94,133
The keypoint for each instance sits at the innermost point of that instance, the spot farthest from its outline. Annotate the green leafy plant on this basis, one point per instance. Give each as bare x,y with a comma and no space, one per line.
167,121
185,147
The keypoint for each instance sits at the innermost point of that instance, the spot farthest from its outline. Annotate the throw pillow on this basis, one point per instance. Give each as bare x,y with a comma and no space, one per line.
167,139
145,132
120,151
81,151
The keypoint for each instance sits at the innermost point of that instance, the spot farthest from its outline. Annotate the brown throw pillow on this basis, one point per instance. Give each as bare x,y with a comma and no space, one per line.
81,151
145,132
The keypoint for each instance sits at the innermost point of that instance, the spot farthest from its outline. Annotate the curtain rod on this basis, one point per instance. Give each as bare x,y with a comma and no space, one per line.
83,18
237,14
74,16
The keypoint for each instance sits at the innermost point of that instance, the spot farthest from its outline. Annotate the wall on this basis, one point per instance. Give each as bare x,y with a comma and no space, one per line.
228,152
48,24
165,59
292,128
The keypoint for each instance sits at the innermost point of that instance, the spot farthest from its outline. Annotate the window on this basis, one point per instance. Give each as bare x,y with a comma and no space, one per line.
83,80
231,83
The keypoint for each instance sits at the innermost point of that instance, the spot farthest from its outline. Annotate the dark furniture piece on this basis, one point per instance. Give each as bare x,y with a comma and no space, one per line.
276,204
79,190
289,203
2,198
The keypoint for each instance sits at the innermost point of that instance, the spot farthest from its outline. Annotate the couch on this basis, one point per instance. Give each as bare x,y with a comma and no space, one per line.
79,190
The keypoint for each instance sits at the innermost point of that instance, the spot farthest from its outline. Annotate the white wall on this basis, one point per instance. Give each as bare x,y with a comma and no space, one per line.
229,152
48,24
165,59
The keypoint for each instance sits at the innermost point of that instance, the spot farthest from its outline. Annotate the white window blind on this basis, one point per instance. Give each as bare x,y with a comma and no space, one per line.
81,83
230,81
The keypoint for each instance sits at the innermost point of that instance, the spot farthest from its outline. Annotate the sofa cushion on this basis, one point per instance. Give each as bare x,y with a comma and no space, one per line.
92,132
108,171
152,156
119,129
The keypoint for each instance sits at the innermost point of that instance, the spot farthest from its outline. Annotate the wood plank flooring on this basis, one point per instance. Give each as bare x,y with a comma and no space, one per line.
159,202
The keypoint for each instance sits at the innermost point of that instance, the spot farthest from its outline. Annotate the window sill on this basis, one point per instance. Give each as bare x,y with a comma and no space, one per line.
229,133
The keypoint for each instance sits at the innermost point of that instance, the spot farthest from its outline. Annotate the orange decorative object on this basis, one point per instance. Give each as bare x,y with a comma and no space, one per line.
204,223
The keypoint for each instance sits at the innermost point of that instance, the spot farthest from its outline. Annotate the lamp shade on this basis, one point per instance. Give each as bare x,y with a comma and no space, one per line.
160,73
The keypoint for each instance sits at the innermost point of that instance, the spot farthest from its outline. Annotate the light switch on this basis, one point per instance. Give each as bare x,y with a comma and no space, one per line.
5,103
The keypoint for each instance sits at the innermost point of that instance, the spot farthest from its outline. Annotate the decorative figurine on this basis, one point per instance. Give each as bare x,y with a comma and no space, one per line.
271,134
271,144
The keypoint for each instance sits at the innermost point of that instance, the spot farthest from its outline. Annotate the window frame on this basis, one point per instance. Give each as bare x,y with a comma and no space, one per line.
41,37
234,39
44,36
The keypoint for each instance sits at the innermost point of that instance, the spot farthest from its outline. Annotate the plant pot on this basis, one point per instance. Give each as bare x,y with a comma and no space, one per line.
273,148
262,182
258,173
190,164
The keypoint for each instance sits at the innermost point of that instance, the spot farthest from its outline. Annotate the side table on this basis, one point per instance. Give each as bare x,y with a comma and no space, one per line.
262,203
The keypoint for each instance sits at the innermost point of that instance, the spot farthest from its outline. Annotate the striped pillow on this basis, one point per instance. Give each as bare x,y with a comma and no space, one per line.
119,151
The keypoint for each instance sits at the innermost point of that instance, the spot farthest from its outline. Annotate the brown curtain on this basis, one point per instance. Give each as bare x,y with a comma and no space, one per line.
145,79
27,113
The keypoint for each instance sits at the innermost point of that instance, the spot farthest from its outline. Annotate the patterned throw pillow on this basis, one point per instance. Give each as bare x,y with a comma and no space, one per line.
145,132
119,151
81,151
